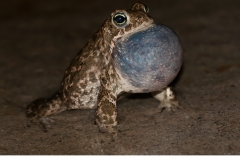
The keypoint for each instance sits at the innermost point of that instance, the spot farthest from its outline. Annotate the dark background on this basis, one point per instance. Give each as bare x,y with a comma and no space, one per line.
38,39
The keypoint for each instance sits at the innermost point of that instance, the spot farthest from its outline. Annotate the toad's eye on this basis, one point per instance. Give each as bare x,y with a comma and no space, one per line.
120,19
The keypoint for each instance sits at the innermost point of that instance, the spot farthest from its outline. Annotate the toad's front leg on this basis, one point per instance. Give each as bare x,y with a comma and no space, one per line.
106,108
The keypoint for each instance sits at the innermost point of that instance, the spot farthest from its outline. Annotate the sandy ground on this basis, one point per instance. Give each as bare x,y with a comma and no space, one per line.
38,39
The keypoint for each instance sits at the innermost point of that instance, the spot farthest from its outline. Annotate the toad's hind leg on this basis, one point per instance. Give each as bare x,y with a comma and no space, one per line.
167,99
39,110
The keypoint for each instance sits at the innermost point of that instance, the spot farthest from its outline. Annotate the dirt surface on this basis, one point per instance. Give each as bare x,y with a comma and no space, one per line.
38,39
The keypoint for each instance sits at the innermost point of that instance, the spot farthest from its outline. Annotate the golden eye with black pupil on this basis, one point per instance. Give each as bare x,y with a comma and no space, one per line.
120,19
146,8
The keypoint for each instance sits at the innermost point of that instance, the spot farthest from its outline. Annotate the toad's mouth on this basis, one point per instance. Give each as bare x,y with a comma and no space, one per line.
140,28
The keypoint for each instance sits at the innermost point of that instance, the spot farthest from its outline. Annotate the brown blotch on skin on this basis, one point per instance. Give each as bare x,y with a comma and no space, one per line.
108,108
110,121
113,97
83,85
134,25
42,111
105,118
139,17
113,75
103,92
104,81
73,69
107,76
86,92
85,56
90,102
128,27
121,32
92,76
79,68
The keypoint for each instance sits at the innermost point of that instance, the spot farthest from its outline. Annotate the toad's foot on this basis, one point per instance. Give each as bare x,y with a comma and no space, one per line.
43,122
169,105
112,130
167,100
34,118
36,114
